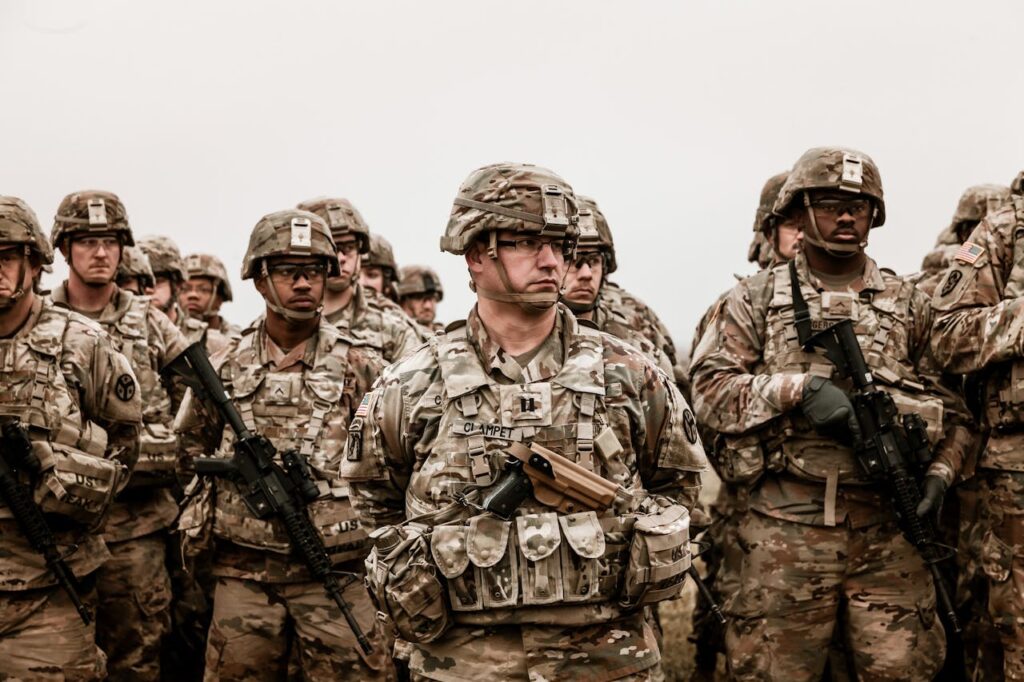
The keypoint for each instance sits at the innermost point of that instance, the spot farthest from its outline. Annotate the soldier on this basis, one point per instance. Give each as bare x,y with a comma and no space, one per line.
296,380
134,273
170,275
977,332
419,291
91,230
206,289
547,594
357,310
379,270
585,281
78,398
975,203
822,548
775,241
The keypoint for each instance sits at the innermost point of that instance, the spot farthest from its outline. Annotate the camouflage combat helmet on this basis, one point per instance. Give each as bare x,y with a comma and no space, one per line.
91,211
341,217
19,225
135,263
1017,186
595,235
381,255
516,197
164,257
419,279
208,265
764,218
832,168
975,203
292,232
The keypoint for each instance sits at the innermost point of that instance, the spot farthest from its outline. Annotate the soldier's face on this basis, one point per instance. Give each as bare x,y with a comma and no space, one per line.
421,307
94,258
299,282
131,283
372,277
583,280
842,218
199,295
348,262
14,264
788,236
529,270
163,292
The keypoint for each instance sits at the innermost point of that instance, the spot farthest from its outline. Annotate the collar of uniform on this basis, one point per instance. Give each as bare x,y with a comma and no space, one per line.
545,363
870,280
30,321
270,355
346,317
112,312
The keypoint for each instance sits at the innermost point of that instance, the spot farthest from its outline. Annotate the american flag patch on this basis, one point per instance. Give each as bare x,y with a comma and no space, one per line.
969,252
364,406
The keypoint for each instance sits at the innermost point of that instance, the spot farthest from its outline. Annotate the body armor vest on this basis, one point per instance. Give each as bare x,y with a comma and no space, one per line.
880,321
306,411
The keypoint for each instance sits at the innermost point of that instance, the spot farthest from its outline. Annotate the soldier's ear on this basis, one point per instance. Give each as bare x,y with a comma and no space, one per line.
261,285
475,255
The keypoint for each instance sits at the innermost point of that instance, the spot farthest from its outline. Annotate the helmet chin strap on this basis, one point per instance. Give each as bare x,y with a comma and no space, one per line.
813,236
530,302
274,302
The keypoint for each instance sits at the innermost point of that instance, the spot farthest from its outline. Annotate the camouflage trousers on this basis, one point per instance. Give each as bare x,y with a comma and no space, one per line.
133,614
795,581
257,627
42,636
621,650
1002,560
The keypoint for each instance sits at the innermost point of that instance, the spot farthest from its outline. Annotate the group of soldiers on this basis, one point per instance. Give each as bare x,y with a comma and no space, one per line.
511,495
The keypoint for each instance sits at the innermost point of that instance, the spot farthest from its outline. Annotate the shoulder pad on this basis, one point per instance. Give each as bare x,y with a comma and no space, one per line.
452,326
888,271
47,336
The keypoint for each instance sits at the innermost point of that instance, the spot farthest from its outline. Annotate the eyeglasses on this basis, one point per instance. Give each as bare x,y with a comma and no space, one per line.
348,248
532,246
290,272
858,208
201,289
94,243
591,259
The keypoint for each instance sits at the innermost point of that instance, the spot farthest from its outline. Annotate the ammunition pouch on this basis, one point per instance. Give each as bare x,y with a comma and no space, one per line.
1004,408
158,457
77,480
739,459
659,557
404,584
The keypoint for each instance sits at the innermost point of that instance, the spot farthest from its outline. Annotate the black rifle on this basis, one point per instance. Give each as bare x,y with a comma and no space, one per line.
890,451
270,490
16,456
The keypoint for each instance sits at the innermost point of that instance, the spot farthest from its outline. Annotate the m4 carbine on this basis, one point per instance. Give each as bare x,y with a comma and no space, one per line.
270,490
16,456
889,451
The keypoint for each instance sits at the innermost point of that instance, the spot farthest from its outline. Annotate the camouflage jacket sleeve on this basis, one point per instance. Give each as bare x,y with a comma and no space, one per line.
958,432
107,389
979,321
391,426
167,342
670,457
199,425
403,335
728,395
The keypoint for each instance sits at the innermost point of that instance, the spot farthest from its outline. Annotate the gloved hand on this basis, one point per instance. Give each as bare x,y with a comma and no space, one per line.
931,499
829,410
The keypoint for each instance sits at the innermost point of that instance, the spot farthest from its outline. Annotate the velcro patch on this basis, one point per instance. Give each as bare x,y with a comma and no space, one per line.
969,252
464,427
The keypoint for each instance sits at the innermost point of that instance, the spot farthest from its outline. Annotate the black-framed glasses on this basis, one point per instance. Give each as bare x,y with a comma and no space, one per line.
290,272
532,246
858,208
591,259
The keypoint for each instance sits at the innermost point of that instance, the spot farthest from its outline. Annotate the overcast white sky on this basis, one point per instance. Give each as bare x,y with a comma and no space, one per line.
203,116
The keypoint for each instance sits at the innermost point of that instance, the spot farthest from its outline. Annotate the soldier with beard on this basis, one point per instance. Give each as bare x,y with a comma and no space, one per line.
419,291
354,308
91,230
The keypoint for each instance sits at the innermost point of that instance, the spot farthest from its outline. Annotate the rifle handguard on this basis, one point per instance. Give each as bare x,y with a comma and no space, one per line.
564,485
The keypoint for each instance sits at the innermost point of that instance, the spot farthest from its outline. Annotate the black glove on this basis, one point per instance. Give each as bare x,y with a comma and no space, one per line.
829,410
931,499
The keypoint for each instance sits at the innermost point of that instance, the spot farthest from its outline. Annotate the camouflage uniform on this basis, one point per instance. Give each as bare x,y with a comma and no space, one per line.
166,261
369,318
62,377
382,255
135,263
978,331
209,266
133,586
266,606
822,545
416,280
539,596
